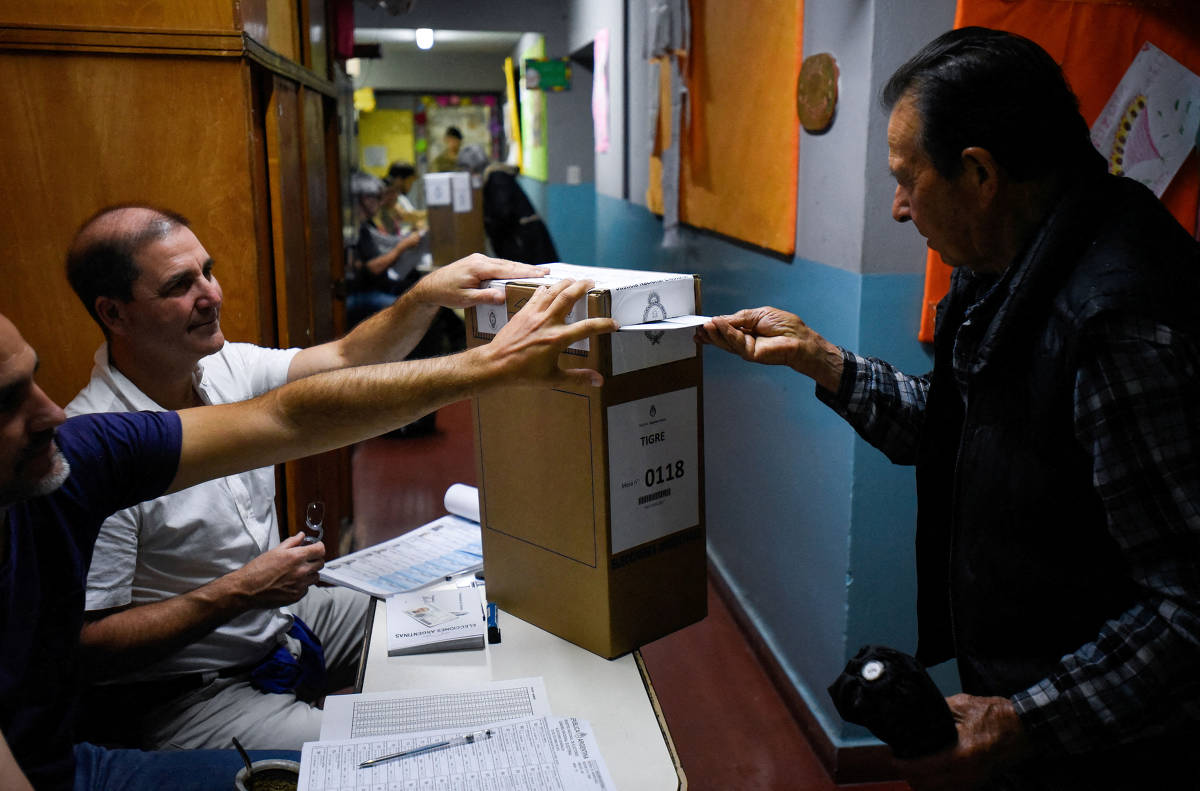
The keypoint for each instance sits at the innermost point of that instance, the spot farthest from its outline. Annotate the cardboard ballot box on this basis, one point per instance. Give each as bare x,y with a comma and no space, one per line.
592,500
454,211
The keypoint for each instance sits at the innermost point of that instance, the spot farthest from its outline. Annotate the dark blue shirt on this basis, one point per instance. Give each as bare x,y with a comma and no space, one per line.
116,460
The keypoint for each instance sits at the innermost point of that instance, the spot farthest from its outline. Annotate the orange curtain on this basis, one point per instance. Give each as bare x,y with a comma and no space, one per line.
662,134
739,153
1094,41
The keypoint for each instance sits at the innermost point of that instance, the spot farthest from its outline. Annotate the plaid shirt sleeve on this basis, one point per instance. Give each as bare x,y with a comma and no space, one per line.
886,407
1137,412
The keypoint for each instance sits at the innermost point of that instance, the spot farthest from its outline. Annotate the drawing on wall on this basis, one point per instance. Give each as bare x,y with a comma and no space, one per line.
600,91
1150,122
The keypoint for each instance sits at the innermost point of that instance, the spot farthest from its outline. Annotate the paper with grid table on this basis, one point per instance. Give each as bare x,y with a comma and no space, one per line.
408,711
530,749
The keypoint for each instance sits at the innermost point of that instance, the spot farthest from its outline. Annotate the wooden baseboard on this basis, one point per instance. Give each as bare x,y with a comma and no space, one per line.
868,764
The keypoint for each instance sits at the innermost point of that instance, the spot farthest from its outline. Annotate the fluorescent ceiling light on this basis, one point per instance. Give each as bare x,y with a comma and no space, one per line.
458,40
425,38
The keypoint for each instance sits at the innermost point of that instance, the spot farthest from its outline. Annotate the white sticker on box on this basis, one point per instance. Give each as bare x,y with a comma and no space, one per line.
437,189
653,468
460,188
490,318
655,301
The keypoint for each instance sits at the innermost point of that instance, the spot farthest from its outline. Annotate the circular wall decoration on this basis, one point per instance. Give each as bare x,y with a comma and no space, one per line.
816,92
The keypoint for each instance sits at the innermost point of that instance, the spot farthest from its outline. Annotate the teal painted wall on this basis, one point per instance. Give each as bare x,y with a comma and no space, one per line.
786,479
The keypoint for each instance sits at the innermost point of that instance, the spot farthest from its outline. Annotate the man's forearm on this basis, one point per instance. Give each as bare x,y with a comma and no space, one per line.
320,413
390,334
139,635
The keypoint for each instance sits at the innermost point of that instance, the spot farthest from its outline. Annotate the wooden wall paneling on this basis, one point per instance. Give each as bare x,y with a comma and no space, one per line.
330,471
163,14
315,30
283,28
259,86
287,185
321,245
90,130
337,211
286,202
294,133
126,41
326,184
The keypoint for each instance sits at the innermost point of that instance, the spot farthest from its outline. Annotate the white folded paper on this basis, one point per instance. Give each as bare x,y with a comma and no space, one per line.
674,323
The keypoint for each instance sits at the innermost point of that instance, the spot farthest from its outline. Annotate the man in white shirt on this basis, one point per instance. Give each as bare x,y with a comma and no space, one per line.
190,593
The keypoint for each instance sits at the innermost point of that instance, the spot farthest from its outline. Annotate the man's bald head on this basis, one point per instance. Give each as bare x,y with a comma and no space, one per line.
100,262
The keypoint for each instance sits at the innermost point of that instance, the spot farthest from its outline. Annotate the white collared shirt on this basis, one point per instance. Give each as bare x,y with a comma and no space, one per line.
180,541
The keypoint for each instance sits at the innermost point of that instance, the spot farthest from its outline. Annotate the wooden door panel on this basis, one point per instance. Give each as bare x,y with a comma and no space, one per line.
320,243
87,131
288,215
198,15
296,176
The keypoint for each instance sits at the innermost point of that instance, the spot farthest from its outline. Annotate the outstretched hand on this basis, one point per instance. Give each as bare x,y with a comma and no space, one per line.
457,285
775,337
990,737
526,349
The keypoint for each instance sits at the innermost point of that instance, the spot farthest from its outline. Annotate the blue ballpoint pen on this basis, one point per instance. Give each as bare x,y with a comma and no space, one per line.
469,738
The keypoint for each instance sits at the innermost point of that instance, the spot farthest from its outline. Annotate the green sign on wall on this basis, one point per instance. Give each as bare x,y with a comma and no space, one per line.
548,74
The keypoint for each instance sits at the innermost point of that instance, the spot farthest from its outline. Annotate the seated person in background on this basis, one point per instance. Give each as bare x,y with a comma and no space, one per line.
387,218
513,228
384,266
448,160
384,263
403,175
59,480
195,590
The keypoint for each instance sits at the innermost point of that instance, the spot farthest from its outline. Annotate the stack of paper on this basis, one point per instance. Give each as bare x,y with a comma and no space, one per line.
529,748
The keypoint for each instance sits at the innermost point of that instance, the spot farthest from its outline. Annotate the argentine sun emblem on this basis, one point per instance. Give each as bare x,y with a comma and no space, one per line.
654,311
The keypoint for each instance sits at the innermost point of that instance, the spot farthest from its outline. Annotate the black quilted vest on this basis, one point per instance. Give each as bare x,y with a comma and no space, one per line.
1015,564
